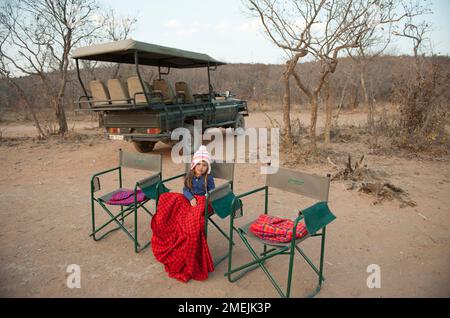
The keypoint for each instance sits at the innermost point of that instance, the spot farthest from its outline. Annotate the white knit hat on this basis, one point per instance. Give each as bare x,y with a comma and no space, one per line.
200,155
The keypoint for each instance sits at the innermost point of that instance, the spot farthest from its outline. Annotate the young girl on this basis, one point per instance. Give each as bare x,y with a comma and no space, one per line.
178,239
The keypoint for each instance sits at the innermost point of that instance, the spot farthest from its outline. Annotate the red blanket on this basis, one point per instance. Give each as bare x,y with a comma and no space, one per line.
272,228
178,239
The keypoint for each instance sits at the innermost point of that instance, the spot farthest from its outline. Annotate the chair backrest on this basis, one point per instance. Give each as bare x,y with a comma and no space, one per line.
134,86
142,161
117,91
99,93
165,88
183,89
309,185
316,216
220,170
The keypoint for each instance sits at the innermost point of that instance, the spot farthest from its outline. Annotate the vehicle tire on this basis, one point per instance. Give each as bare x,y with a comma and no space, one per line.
144,146
239,125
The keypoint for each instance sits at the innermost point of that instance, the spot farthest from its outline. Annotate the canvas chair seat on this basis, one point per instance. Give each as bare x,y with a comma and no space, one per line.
107,197
316,217
246,230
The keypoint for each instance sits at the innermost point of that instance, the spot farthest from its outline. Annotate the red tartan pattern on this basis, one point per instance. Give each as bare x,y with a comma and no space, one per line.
276,229
179,240
126,197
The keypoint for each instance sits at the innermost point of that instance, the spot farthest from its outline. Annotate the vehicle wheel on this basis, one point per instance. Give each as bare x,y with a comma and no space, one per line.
144,146
239,125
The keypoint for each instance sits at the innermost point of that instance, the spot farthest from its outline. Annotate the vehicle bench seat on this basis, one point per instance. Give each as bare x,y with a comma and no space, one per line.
99,93
183,90
118,92
134,87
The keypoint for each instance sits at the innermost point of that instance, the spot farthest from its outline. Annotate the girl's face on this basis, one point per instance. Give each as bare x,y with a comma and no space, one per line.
201,168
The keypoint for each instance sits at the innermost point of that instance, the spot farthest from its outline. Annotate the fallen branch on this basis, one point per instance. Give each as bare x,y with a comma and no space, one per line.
368,181
332,163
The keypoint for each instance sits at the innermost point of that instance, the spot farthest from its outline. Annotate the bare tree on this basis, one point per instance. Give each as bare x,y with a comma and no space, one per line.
372,46
275,28
6,74
328,110
343,93
320,30
39,36
423,106
116,27
416,32
375,42
289,70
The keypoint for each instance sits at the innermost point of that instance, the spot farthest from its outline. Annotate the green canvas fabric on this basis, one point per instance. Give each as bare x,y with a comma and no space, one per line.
317,216
150,191
222,207
149,54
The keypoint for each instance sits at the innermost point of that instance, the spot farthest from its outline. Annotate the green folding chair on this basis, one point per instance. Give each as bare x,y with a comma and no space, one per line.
220,198
150,186
316,218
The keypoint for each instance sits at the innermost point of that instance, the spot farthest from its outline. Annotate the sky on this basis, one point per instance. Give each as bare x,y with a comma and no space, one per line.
224,29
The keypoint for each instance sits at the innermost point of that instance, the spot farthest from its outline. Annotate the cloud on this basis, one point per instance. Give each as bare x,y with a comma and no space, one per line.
173,24
221,27
186,31
182,29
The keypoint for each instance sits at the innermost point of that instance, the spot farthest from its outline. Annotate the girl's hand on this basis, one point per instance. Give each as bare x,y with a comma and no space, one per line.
194,202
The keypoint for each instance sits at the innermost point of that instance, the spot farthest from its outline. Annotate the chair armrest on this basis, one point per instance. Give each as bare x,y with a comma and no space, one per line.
217,189
103,172
317,216
153,179
235,208
95,180
147,186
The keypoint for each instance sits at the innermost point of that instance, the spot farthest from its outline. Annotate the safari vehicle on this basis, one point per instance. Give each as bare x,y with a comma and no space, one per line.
145,114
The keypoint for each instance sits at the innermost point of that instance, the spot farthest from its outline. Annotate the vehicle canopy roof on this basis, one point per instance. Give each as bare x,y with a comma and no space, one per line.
148,54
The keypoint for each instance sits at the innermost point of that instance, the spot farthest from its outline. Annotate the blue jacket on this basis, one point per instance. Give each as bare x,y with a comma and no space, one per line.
198,187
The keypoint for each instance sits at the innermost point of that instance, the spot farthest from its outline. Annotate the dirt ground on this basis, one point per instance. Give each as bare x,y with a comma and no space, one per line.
44,188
